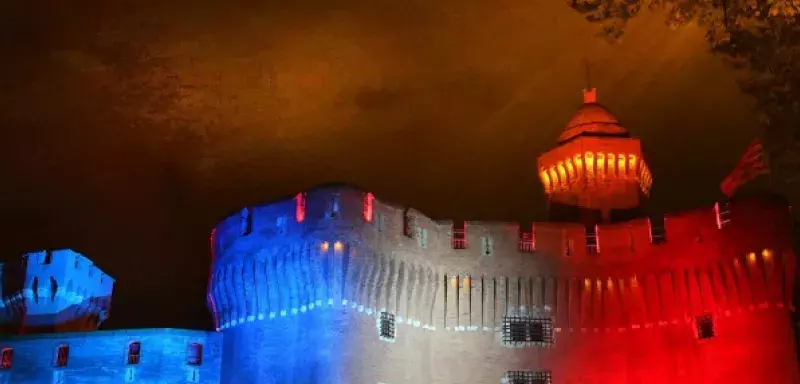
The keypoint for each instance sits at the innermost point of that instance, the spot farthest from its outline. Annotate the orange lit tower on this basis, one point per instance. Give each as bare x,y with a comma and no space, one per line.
596,173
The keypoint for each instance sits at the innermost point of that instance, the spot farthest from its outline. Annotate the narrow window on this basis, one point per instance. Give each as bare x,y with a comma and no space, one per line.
460,235
487,246
369,213
48,257
408,224
523,331
380,222
194,354
134,352
245,222
705,327
422,237
333,208
300,207
658,233
592,240
527,240
7,358
62,356
528,377
280,225
569,247
386,326
723,214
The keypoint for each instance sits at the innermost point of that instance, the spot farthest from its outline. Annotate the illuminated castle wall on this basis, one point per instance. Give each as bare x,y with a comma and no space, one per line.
335,286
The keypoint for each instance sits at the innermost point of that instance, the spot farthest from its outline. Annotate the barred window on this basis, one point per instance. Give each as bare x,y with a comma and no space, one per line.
705,327
386,327
528,377
134,352
523,331
592,240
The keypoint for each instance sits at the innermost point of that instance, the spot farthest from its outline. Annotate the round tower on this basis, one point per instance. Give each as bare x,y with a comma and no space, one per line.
54,291
596,172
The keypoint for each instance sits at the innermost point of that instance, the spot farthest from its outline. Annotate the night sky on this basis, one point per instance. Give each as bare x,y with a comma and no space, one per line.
128,129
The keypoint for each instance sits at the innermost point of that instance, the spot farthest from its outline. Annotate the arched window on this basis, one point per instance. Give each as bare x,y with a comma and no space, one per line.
7,358
134,352
194,354
62,356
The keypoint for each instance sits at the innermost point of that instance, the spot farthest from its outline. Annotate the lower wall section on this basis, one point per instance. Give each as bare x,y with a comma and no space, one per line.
338,346
748,348
101,357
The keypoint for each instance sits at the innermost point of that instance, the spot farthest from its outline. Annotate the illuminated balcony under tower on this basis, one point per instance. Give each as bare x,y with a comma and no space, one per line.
597,165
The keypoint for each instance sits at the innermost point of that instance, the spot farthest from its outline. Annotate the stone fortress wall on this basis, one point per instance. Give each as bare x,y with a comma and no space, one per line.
298,288
102,357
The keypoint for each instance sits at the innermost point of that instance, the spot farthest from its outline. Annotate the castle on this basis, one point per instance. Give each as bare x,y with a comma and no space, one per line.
335,286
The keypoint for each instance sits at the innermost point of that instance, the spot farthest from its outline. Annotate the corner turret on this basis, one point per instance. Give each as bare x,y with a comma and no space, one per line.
53,291
596,173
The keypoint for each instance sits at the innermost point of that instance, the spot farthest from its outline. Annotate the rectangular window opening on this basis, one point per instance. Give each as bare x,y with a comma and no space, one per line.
7,358
62,356
408,224
592,240
194,354
422,237
380,222
723,214
333,208
487,246
528,377
460,235
658,232
246,222
705,327
527,240
134,352
523,331
387,326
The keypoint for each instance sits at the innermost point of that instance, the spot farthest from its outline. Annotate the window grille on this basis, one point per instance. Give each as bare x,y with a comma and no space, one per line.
194,354
528,377
134,352
705,327
460,235
527,240
592,240
524,331
48,257
62,356
7,358
658,232
387,326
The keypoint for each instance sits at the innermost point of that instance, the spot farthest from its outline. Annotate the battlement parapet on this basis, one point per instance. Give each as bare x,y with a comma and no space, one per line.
56,287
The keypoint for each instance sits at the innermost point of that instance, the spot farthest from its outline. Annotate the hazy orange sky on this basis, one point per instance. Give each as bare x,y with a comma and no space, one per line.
129,130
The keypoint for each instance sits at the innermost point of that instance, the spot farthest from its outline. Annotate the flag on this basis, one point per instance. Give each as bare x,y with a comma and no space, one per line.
751,165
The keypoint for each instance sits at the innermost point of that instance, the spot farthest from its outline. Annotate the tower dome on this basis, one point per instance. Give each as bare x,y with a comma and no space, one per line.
592,119
596,172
